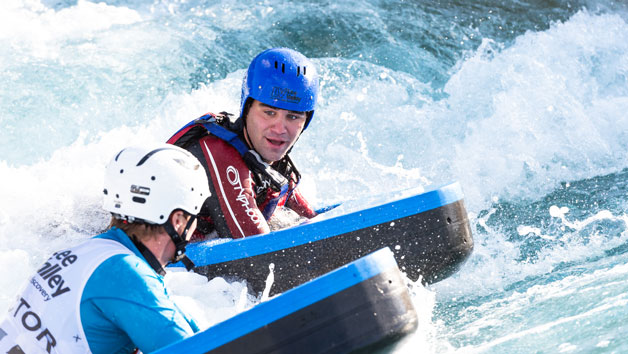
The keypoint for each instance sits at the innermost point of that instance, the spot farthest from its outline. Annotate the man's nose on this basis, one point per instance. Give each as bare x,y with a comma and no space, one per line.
279,124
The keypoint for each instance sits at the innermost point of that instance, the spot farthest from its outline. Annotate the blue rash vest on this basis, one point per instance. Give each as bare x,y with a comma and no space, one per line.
100,296
125,305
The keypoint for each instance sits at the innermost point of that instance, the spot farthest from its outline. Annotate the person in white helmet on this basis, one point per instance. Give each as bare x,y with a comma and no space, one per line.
107,294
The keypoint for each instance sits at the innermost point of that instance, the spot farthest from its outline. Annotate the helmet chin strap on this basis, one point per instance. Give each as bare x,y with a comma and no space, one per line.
180,243
248,137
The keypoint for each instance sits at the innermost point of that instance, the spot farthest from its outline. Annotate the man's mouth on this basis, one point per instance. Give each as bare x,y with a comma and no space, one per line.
275,142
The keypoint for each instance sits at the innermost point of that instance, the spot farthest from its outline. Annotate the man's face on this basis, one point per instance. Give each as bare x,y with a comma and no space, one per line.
273,131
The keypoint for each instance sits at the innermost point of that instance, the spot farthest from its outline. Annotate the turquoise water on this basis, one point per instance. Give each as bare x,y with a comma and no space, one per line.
522,102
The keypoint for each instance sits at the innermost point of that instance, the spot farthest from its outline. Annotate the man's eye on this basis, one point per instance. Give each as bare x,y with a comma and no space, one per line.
270,113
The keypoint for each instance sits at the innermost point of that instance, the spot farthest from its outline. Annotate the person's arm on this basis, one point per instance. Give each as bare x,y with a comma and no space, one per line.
125,306
233,198
300,205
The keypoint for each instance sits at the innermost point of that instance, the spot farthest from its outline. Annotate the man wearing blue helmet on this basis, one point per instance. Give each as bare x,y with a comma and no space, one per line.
250,172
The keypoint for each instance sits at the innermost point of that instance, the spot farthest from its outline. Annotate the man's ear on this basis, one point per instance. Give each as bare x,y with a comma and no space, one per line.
177,218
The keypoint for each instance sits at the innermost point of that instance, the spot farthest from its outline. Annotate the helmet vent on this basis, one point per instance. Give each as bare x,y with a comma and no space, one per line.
105,191
152,178
122,171
304,70
298,71
118,155
275,64
139,200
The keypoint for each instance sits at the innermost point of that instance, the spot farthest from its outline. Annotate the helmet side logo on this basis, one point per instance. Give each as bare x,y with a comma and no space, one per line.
140,190
285,95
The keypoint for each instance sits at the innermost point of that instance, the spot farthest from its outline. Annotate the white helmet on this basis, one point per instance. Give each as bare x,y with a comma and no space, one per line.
147,184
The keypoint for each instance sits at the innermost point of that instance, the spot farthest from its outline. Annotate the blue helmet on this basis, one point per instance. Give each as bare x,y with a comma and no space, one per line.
282,78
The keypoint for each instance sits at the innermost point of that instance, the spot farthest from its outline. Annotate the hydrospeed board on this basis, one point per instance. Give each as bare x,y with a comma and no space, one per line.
360,307
428,232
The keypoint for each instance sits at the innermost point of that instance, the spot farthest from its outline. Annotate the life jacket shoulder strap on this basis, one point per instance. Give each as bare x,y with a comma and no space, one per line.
213,127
